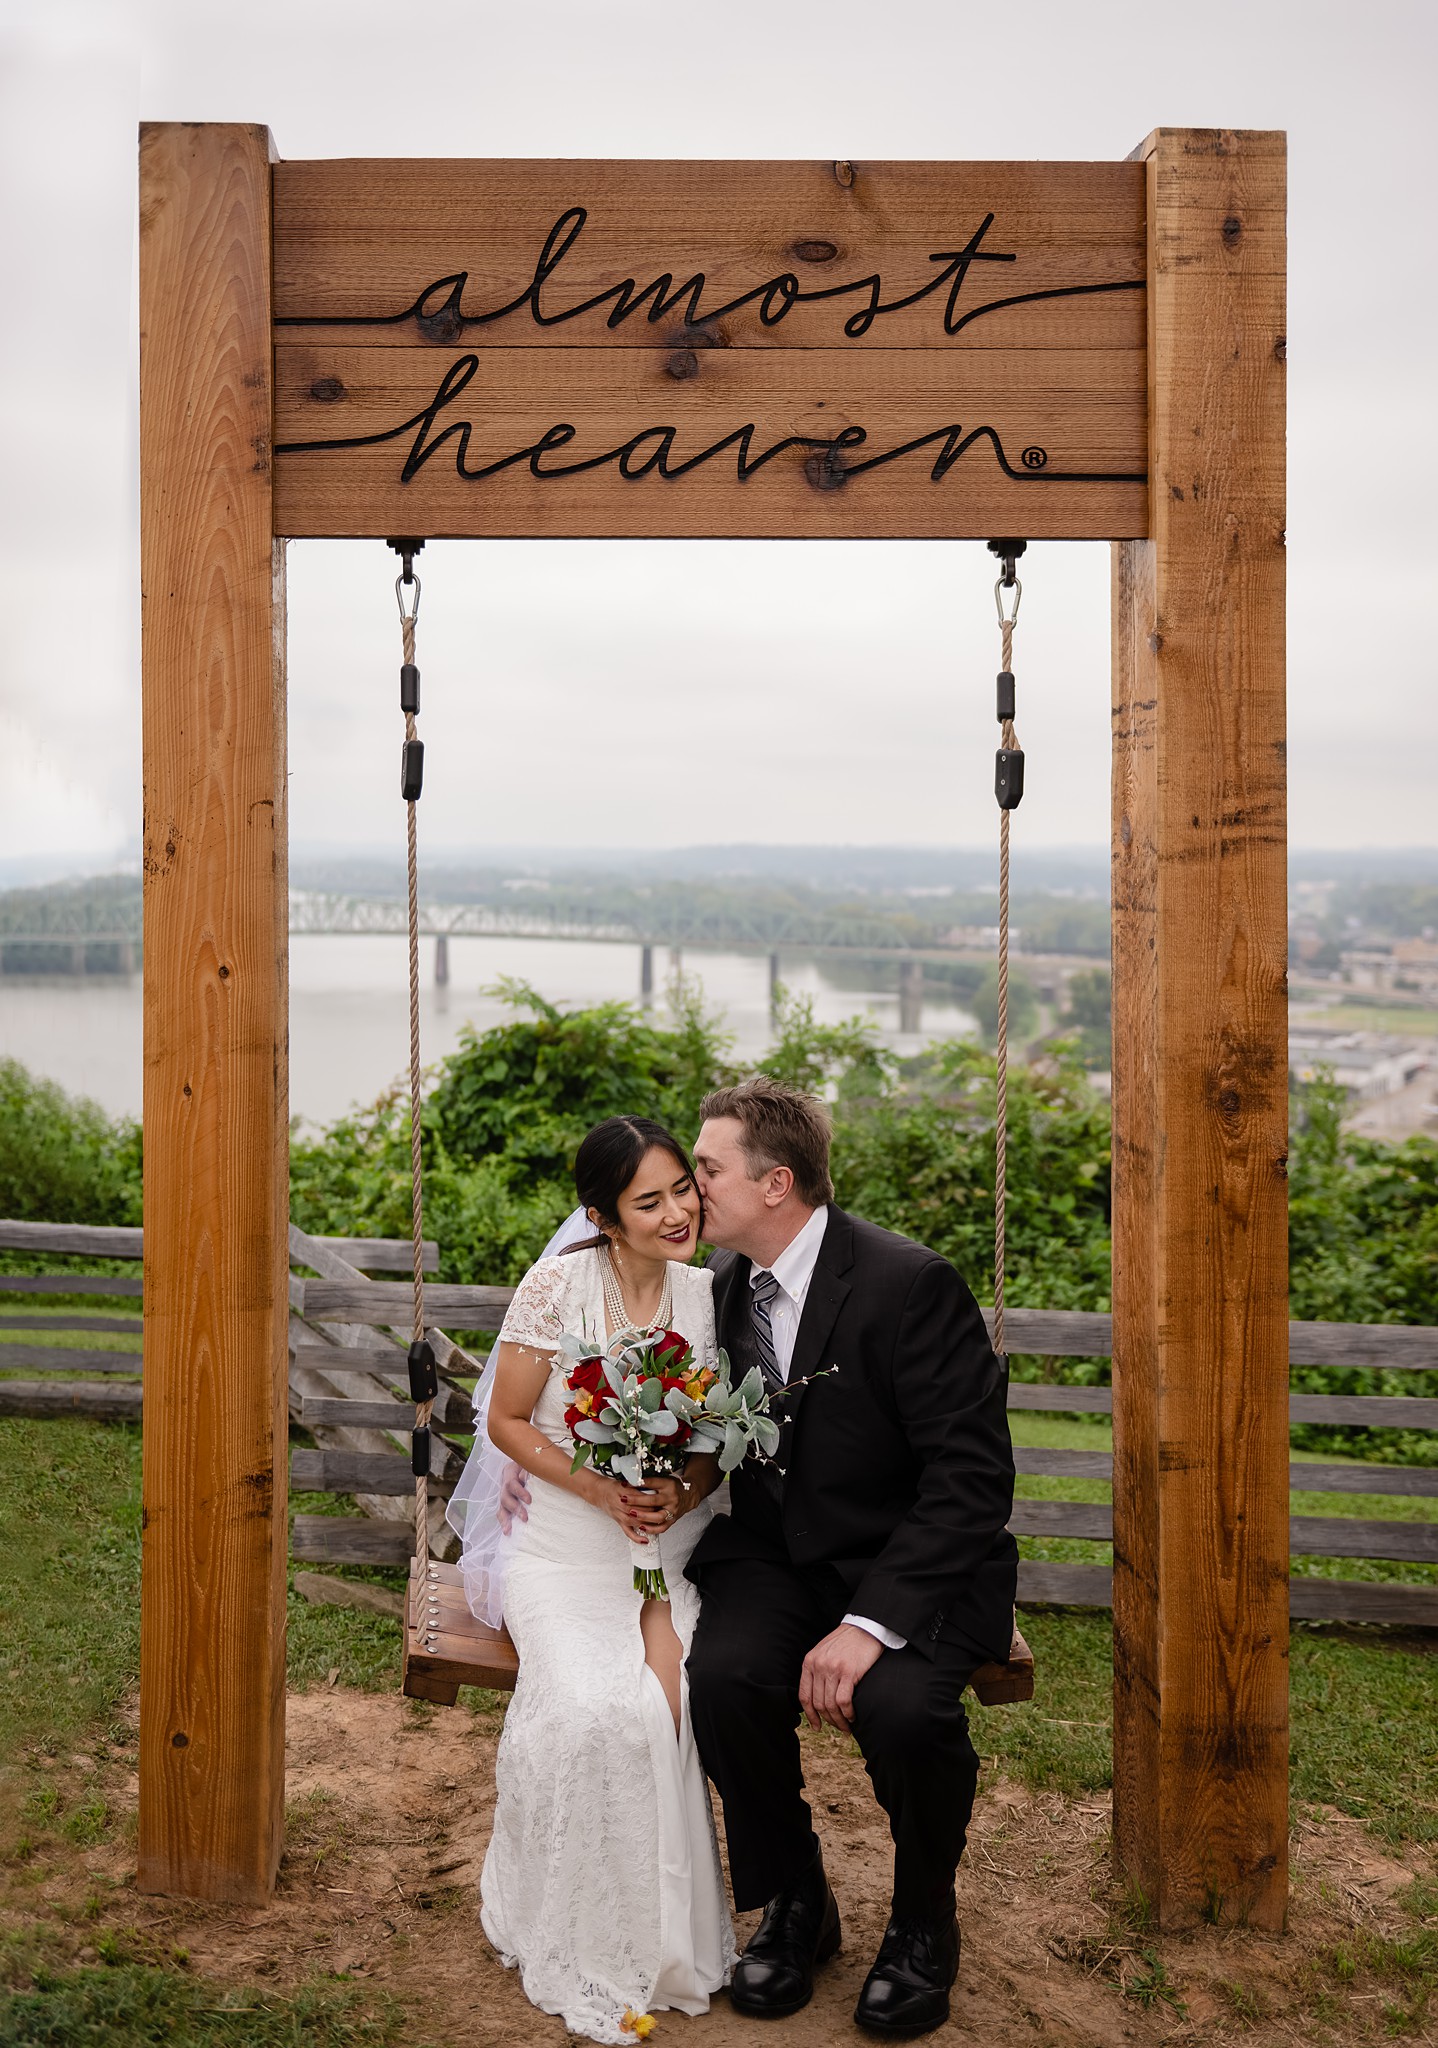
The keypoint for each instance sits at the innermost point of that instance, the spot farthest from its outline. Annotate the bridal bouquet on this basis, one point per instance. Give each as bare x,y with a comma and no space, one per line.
644,1404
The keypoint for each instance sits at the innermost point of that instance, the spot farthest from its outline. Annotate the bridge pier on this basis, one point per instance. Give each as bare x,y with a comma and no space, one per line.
441,960
911,995
646,975
676,962
774,988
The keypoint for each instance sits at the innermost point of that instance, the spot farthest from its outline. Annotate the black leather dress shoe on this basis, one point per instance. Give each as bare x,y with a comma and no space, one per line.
800,1929
907,1991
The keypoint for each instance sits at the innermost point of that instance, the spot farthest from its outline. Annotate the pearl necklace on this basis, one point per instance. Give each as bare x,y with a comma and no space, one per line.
614,1307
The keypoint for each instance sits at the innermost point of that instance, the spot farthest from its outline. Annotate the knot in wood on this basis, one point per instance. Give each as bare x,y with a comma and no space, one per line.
825,469
816,252
327,390
844,174
447,324
1232,229
683,363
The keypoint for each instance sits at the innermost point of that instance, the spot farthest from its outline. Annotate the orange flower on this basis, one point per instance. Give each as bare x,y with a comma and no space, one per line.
640,2024
583,1400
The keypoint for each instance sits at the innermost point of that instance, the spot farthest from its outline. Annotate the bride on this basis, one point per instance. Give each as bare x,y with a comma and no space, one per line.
602,1879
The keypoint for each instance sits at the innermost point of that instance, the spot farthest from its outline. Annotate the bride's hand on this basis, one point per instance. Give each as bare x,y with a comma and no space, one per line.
613,1498
658,1505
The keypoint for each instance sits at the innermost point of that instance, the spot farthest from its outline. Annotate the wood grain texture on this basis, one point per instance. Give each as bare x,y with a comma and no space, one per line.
100,1400
1083,410
87,1240
360,238
123,1241
346,1539
215,1082
1200,1060
1089,1585
80,1319
452,1411
386,1304
73,1283
900,300
1309,1535
67,1358
1305,1478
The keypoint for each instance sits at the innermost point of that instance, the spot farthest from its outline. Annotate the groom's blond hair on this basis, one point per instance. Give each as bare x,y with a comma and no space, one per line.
782,1127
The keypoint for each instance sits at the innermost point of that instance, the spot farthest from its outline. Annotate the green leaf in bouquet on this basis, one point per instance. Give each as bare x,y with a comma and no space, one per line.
681,1404
629,1468
651,1395
612,1374
582,1456
751,1387
592,1432
735,1445
661,1423
717,1399
766,1435
570,1345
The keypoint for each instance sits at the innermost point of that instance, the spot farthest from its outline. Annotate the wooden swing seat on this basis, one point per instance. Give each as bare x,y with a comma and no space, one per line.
445,1647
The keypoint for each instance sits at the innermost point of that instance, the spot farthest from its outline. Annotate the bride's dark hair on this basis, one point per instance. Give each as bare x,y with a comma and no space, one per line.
608,1158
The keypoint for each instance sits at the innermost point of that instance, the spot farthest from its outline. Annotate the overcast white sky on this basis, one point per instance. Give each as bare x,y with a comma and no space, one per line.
568,683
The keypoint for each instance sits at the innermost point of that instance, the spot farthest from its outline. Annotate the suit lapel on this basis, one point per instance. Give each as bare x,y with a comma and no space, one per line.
731,1309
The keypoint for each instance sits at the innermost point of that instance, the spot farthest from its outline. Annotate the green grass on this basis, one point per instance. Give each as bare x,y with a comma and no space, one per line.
142,1996
70,1591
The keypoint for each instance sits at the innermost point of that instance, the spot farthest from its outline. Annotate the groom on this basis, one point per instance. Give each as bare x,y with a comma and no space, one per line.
860,1578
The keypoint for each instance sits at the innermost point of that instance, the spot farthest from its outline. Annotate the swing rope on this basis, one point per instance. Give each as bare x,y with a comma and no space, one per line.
423,1377
1008,789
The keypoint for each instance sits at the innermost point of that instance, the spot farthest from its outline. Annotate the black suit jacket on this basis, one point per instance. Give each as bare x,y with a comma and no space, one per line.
898,1470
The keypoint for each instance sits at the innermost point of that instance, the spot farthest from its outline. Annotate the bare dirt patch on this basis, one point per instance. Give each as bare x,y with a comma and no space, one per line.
389,1813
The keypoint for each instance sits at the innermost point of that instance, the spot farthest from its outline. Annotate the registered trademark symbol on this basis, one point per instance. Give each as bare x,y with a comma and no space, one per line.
1035,458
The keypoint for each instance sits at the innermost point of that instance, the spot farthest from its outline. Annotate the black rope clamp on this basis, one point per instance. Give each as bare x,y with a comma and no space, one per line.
1009,777
419,1452
411,783
407,549
423,1377
1008,552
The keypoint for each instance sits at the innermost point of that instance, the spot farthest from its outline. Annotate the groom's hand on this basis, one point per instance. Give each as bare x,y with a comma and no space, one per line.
831,1671
513,1497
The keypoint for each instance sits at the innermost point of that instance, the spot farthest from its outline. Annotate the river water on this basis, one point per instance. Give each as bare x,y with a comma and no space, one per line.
349,1010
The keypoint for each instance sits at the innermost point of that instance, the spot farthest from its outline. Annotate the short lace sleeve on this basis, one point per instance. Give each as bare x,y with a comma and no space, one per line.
536,1315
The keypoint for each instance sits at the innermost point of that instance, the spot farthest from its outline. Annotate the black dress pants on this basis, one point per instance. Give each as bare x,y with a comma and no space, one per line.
758,1621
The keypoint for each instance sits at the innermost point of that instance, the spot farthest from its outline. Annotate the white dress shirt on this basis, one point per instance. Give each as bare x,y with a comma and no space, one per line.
794,1270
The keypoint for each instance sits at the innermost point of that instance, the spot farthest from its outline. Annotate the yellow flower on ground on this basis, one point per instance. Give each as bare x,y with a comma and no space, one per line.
640,2024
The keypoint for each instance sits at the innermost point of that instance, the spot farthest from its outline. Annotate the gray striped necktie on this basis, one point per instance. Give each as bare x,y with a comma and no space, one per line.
764,1287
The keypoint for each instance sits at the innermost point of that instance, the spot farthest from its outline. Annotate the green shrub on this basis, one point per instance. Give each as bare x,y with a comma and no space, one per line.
62,1160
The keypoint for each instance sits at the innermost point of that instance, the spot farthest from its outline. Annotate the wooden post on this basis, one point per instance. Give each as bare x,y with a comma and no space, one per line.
212,1677
1200,1060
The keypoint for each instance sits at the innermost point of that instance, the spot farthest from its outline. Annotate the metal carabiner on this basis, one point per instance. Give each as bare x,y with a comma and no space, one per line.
1007,619
408,617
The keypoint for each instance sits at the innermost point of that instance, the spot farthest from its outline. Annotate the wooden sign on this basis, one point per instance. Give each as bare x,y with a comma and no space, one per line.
788,350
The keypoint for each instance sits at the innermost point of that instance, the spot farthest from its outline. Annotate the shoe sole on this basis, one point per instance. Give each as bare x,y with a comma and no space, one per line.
902,2033
828,1948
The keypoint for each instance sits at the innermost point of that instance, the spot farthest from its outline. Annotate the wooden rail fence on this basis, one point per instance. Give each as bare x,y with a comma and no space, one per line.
349,1389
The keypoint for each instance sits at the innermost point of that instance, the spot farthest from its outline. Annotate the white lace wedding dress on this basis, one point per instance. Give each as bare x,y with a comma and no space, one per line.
602,1881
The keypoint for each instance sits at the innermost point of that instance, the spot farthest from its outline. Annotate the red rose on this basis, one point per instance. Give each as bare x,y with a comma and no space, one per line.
671,1349
588,1374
